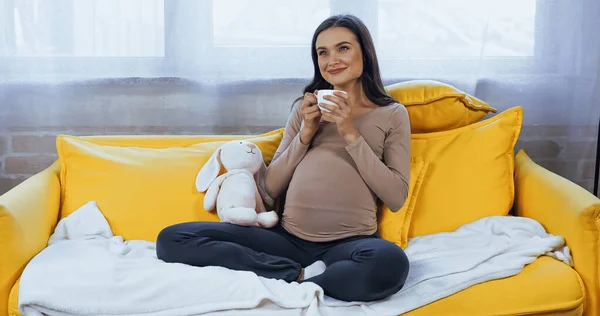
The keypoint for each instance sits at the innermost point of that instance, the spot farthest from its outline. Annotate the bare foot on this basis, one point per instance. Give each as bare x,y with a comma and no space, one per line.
301,276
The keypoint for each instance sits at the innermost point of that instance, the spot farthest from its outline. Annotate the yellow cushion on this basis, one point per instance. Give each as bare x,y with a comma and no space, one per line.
394,226
140,190
546,286
165,141
470,173
434,106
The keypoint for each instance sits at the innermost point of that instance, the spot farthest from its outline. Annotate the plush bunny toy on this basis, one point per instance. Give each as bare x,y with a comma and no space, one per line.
239,192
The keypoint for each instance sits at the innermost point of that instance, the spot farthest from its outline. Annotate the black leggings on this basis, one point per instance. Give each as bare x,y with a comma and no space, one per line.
360,268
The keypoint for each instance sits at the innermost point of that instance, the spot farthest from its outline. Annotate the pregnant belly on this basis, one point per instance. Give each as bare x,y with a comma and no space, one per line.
327,196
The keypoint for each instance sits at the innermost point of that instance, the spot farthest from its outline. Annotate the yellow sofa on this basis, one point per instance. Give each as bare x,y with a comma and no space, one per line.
30,211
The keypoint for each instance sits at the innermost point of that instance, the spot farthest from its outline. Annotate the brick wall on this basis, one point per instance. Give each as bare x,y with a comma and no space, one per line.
569,151
32,116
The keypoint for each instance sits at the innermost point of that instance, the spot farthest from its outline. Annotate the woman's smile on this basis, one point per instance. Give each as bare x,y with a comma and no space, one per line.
336,71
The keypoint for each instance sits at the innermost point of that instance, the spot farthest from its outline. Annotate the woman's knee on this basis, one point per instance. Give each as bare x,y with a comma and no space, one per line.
183,242
173,242
390,266
168,243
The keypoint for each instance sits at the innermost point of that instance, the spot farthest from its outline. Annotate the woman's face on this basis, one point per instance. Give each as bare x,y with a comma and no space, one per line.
339,55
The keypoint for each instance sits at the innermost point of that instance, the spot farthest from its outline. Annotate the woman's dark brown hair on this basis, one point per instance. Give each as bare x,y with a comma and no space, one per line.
370,78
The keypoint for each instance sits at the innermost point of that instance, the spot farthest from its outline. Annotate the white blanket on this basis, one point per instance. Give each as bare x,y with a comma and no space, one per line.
85,270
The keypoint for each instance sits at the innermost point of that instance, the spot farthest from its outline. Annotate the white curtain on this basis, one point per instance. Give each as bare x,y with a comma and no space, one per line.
255,56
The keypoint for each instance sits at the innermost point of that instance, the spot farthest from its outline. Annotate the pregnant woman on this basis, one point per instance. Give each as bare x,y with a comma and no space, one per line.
332,168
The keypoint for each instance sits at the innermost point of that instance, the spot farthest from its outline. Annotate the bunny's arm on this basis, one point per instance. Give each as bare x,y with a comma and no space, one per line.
210,198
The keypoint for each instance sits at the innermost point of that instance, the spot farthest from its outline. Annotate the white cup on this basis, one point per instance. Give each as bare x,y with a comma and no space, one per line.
320,99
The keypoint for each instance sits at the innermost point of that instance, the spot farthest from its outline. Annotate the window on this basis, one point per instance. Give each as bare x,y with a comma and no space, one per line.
86,28
242,39
266,23
456,29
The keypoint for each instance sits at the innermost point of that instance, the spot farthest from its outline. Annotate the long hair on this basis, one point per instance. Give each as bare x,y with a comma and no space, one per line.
370,78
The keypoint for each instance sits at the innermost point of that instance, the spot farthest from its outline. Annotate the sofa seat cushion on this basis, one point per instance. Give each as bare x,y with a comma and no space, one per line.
546,286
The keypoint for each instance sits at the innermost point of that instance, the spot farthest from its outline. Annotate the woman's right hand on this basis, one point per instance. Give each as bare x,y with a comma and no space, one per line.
311,115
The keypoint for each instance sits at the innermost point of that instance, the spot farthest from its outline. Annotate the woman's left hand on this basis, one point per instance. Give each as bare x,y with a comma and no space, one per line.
341,115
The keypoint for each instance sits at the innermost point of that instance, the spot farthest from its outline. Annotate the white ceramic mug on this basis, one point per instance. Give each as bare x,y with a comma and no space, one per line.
320,99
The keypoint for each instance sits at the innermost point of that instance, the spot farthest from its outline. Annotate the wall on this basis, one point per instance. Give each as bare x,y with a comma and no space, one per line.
32,115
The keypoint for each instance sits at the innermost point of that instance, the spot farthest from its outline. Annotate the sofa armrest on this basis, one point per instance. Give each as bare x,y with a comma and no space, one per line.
564,209
28,216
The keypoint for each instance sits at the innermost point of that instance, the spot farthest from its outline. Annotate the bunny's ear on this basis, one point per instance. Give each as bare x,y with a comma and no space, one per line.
259,177
209,171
